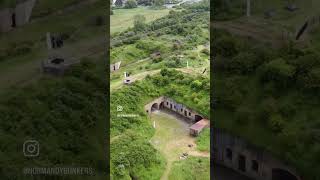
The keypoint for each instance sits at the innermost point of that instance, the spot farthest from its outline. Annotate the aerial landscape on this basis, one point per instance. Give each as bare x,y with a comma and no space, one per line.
160,86
52,89
266,79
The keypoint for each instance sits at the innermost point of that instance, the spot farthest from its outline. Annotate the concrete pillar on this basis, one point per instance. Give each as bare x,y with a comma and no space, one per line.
49,43
248,8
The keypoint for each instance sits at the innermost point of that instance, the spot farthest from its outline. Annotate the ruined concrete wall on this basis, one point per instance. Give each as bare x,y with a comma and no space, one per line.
223,141
180,109
115,66
23,12
173,106
5,19
157,101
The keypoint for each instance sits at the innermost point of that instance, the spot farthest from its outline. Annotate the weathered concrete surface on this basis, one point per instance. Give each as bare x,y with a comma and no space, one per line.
180,109
19,15
115,66
224,143
23,12
5,19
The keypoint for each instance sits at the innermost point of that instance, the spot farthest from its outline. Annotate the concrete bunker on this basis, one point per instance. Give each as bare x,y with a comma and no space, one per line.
115,66
281,174
247,159
18,15
197,120
13,20
57,61
197,117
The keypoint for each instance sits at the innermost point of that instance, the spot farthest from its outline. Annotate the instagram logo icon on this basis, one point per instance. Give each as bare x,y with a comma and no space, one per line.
31,148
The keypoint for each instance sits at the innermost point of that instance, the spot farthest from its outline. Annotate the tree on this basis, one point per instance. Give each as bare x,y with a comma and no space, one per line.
139,22
144,2
244,62
130,4
225,46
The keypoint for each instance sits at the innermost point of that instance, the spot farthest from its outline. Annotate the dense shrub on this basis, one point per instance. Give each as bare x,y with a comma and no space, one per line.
130,4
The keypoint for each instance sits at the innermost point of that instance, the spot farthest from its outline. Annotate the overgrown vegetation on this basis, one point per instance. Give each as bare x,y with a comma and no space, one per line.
65,115
203,140
169,83
191,168
270,97
166,43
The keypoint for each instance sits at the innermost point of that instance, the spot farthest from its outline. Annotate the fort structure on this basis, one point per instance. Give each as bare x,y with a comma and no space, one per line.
57,62
190,115
115,66
236,153
16,16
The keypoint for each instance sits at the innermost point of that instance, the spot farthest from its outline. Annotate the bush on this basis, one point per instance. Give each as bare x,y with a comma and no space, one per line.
139,22
130,4
225,46
244,62
278,70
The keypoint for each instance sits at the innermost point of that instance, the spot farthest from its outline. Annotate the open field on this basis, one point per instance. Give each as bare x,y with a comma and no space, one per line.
172,138
123,18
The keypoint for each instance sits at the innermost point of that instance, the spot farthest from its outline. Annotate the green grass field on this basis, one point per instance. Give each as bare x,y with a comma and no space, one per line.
193,168
123,18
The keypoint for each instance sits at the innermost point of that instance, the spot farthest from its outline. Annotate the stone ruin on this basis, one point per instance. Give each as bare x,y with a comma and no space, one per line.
16,16
115,66
57,62
236,153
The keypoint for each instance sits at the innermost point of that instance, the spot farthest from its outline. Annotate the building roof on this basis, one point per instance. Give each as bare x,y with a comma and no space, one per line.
200,125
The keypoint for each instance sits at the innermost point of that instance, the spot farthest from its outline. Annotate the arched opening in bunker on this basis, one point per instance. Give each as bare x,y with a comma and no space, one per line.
281,174
57,61
242,163
154,107
13,20
197,118
161,106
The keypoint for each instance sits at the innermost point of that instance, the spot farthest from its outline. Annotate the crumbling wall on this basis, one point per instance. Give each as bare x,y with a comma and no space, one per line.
224,142
173,106
5,20
23,12
115,66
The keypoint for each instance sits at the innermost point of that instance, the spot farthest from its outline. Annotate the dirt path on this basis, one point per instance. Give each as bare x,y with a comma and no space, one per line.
119,83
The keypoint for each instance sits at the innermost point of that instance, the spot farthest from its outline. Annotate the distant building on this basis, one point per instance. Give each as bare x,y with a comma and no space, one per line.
119,2
17,16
